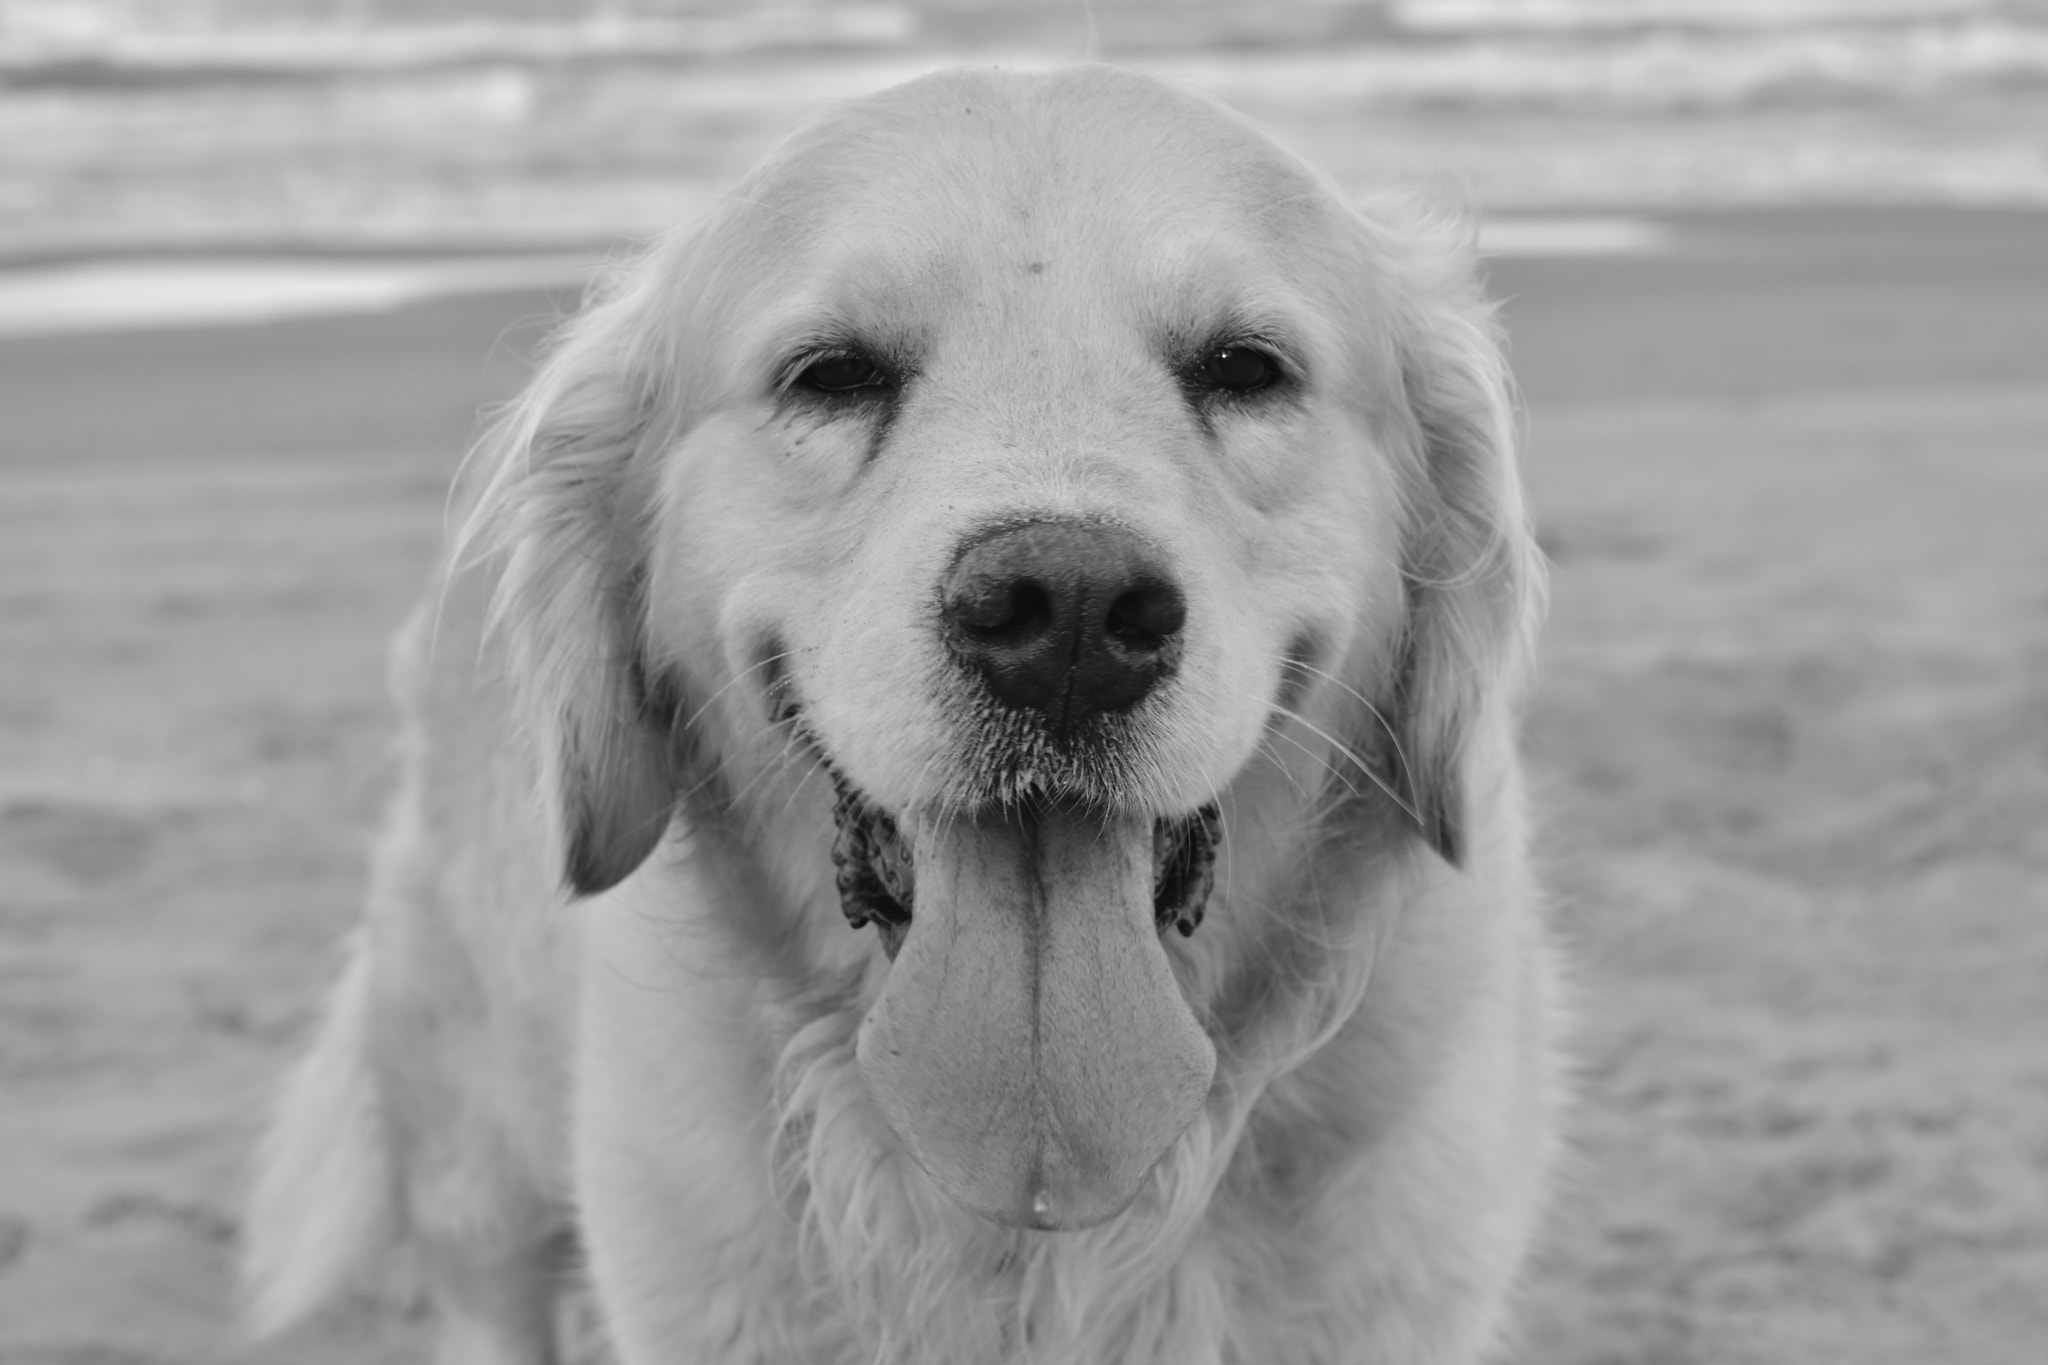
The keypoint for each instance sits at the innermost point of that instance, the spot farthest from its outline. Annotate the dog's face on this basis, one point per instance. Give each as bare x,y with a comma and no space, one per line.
1031,457
987,342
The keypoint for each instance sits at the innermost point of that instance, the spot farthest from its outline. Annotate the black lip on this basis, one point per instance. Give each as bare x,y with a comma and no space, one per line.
876,873
1184,868
871,864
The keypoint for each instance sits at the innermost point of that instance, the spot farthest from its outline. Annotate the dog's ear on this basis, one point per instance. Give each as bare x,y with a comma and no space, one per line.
561,489
1473,575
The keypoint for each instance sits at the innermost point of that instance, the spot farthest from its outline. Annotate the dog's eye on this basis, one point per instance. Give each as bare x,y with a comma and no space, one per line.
1237,370
844,374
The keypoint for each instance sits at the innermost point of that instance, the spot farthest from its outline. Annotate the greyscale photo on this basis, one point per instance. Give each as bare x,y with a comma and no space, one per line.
971,682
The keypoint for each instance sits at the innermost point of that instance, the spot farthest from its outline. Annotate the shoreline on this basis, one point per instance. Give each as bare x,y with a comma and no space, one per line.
183,286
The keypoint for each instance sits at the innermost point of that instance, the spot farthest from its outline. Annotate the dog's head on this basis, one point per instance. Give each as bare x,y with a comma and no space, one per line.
1030,460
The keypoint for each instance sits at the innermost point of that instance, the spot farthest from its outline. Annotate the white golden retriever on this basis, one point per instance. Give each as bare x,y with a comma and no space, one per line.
961,800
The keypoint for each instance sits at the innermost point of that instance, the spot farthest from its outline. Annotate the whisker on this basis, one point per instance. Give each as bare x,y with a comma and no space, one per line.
766,661
924,771
798,790
1350,787
1360,762
792,746
1386,725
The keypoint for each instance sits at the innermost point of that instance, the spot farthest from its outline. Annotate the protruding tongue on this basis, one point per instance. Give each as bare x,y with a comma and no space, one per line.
1031,1046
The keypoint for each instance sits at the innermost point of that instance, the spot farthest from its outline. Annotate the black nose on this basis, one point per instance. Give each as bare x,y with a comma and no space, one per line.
1070,618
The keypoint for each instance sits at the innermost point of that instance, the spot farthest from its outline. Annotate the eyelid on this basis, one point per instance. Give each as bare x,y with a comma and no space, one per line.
794,365
834,346
1262,330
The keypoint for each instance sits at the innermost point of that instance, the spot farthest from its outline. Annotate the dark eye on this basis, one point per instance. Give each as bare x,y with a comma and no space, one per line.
845,374
1237,369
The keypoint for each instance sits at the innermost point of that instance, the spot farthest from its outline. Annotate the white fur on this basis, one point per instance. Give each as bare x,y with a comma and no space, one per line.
666,1069
323,1205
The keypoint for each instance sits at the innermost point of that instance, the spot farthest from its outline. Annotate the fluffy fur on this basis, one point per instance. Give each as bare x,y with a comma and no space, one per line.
604,995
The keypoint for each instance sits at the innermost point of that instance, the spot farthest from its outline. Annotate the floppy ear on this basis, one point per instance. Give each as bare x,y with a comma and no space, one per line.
563,480
1474,576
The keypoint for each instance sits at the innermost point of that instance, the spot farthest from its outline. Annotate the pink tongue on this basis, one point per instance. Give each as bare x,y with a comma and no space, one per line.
1031,1046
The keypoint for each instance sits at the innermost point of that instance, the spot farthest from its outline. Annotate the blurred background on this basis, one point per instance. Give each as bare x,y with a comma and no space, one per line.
1776,279
142,124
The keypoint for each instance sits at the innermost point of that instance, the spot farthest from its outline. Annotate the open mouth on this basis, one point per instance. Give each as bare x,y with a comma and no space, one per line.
877,872
1030,1045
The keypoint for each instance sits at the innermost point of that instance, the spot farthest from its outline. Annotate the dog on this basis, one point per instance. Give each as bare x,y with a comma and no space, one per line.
960,791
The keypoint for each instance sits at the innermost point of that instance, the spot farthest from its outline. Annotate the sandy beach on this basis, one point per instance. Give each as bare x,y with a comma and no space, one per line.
1790,745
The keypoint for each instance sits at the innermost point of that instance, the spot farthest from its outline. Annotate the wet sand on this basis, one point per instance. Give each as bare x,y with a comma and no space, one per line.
1789,745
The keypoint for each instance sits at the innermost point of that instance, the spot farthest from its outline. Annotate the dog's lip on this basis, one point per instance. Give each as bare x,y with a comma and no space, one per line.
876,872
872,864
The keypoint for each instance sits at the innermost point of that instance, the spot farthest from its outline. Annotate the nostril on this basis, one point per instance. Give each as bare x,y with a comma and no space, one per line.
1147,616
1001,613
